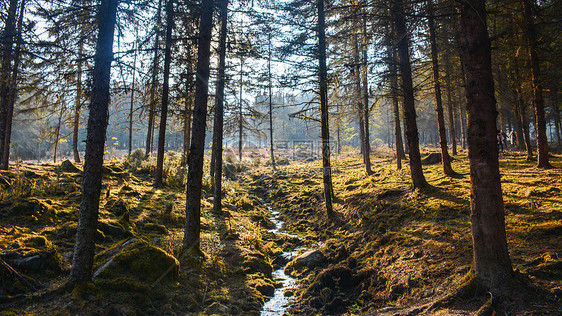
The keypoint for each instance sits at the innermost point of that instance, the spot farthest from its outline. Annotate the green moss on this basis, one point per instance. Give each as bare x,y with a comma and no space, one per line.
138,259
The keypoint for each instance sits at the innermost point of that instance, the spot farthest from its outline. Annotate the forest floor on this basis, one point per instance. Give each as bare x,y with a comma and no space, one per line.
389,250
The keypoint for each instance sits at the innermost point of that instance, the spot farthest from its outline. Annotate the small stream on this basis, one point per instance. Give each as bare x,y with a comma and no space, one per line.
278,303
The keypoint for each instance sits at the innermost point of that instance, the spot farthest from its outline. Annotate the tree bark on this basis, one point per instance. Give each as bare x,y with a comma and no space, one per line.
158,181
131,108
445,158
152,109
8,35
491,262
392,77
240,122
365,103
536,85
270,103
416,171
325,132
78,101
219,111
450,110
13,89
191,238
84,247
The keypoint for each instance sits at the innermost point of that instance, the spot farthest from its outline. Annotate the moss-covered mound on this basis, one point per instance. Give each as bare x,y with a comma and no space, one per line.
138,259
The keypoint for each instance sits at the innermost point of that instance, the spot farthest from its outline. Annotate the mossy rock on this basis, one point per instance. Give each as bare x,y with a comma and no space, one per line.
255,262
158,228
68,166
117,207
137,259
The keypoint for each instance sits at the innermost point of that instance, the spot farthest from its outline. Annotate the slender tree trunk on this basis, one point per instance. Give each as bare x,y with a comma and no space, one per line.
158,181
450,109
270,104
78,102
153,85
357,84
365,103
131,108
325,132
191,238
393,82
491,262
57,129
219,111
13,89
7,43
240,125
188,112
556,112
445,159
418,179
522,114
536,85
84,247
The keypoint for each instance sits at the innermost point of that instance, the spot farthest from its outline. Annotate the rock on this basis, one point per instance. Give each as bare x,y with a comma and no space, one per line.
255,262
38,262
113,230
431,159
137,259
68,166
117,207
309,259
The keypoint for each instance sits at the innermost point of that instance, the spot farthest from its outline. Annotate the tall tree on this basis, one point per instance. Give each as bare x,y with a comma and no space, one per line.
445,158
7,43
491,263
325,131
411,130
365,95
13,89
165,94
84,247
218,127
153,83
132,103
191,237
270,97
536,85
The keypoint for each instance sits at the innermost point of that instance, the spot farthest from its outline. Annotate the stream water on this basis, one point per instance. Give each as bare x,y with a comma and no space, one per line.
278,303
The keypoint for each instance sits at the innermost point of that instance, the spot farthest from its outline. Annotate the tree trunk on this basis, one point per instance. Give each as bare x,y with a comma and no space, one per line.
84,247
191,238
356,68
450,109
270,104
78,101
445,159
416,171
240,125
57,128
325,132
365,103
158,181
13,89
536,85
133,94
392,77
491,262
219,111
8,36
153,85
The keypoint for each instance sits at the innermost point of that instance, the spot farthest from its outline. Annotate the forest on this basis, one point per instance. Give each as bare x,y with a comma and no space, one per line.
281,157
